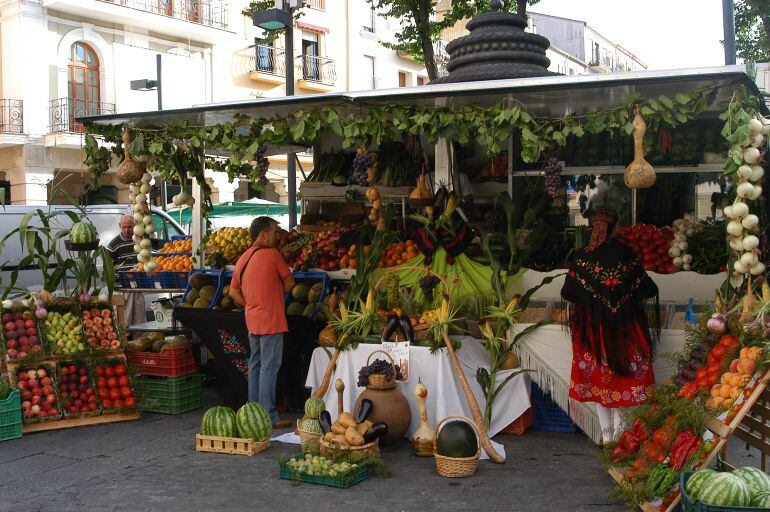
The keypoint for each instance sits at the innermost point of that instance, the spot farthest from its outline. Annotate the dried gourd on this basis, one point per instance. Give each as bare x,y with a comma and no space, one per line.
329,436
340,440
353,437
346,420
363,427
421,191
337,428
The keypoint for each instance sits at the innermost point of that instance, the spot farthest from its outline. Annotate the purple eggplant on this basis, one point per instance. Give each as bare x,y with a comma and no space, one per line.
325,419
379,429
364,410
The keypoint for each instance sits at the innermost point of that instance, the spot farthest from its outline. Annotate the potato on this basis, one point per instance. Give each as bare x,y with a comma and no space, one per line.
363,427
353,437
347,420
329,436
339,429
340,440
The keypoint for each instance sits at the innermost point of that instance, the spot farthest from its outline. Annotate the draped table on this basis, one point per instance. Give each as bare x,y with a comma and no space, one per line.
445,396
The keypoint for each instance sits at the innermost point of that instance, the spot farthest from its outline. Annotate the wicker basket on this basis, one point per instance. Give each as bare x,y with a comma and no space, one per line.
309,440
452,467
421,331
380,381
356,453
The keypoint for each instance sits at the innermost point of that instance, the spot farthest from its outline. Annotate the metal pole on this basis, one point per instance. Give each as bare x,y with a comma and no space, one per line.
728,19
159,81
291,168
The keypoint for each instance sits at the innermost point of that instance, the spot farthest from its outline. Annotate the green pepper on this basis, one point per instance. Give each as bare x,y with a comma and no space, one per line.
660,480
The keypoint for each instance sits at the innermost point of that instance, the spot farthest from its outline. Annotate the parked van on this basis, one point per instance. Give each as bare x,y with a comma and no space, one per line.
105,219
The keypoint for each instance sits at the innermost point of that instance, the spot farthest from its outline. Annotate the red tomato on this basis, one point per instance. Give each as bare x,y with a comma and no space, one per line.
123,381
99,371
101,382
112,382
120,370
109,372
118,404
130,401
107,403
126,392
114,394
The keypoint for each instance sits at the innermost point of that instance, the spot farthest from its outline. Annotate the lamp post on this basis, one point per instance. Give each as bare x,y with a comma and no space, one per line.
728,22
277,19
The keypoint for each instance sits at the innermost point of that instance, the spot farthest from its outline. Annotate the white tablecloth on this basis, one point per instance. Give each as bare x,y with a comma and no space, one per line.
548,351
445,396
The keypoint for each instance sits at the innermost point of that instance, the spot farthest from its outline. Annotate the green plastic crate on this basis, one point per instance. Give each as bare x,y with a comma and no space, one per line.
10,416
170,395
346,481
688,505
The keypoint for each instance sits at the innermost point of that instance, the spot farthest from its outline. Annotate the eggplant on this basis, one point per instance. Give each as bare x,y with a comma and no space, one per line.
379,429
364,410
392,323
406,327
680,381
325,419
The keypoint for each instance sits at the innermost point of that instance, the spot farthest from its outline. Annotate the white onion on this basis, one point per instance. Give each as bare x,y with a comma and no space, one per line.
677,223
744,172
765,126
142,257
151,265
690,232
740,209
137,248
133,188
190,201
758,269
149,229
140,198
146,177
728,212
749,259
757,140
137,239
674,252
146,243
750,155
138,217
145,188
756,193
682,246
736,280
750,243
147,254
678,261
740,267
750,221
757,173
138,230
138,208
679,237
745,190
736,244
755,125
734,228
685,266
131,197
687,259
147,219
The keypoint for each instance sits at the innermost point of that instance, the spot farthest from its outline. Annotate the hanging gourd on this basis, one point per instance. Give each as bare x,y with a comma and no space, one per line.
422,440
639,173
129,171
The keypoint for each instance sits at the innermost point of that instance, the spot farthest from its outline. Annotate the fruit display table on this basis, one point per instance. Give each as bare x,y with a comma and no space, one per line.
548,352
445,397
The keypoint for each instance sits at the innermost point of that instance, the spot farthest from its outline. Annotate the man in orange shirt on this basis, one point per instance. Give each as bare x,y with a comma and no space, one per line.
260,280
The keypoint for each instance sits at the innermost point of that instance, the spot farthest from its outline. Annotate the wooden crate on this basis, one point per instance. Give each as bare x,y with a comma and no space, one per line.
229,445
83,421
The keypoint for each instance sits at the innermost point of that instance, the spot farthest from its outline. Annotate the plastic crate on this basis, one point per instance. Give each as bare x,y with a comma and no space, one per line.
174,279
173,362
10,416
312,277
224,280
688,505
216,278
548,415
346,481
170,395
180,237
124,281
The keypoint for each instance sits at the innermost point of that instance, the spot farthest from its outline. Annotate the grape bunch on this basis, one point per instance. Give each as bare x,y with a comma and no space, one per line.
378,367
262,165
361,164
392,283
552,171
427,284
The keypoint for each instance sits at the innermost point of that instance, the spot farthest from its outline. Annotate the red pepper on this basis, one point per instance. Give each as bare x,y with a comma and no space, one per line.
640,430
689,390
686,444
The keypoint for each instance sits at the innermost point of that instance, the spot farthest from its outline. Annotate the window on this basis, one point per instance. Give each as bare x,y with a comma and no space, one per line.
83,82
371,69
369,24
421,80
401,79
310,52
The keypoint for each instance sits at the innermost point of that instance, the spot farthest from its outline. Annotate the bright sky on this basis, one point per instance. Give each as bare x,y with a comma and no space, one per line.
664,34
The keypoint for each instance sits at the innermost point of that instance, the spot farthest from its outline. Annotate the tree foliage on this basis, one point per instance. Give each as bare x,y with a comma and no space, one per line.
752,30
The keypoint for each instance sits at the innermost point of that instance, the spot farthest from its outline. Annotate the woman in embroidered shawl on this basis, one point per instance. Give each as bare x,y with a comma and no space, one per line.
612,343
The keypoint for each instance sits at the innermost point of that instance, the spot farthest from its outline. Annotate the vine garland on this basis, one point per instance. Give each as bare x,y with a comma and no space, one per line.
175,151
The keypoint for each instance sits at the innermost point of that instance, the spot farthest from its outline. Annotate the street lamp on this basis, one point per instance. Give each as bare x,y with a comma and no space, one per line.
149,85
278,19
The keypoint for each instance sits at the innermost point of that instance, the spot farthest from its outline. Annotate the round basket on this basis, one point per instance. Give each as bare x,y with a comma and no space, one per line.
356,453
309,440
380,381
421,331
90,246
452,467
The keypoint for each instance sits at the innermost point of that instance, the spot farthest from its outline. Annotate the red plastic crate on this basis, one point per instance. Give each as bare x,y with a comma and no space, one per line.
171,363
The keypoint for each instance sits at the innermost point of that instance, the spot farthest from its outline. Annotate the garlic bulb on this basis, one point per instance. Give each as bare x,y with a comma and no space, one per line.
755,125
749,259
756,193
751,155
740,210
757,173
750,243
750,221
758,269
745,190
740,267
734,228
757,140
744,172
728,212
736,244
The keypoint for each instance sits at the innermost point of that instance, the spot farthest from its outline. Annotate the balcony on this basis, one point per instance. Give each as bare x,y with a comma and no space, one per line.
316,4
316,74
265,64
202,20
11,123
63,130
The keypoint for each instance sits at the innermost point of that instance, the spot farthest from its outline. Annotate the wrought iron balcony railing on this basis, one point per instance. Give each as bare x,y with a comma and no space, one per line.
212,13
260,58
62,113
315,4
11,116
317,69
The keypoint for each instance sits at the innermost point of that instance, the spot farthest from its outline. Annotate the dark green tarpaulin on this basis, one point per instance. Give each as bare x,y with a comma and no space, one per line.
234,210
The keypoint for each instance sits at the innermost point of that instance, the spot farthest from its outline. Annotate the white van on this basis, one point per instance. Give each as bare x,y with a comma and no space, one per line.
105,219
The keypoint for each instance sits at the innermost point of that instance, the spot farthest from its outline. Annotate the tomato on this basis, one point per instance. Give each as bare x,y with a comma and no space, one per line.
126,392
118,404
130,401
112,382
99,371
101,382
120,370
700,373
124,381
114,394
717,352
107,403
104,392
109,372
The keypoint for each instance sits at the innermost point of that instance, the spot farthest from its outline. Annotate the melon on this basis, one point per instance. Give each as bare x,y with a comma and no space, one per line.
314,295
253,422
208,292
313,407
82,232
697,482
309,310
339,181
760,499
311,425
725,489
295,309
218,421
198,281
756,479
5,389
457,439
300,292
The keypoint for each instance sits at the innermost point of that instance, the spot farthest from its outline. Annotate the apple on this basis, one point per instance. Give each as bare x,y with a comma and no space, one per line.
35,409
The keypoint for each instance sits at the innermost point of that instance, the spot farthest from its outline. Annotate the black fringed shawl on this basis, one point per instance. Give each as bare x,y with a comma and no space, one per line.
607,289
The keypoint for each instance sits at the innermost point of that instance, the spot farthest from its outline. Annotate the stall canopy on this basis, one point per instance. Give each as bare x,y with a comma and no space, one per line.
250,208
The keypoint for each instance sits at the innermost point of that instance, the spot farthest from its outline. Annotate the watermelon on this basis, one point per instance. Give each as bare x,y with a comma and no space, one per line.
311,425
760,499
756,479
253,422
725,489
313,407
5,389
697,482
82,232
457,439
218,421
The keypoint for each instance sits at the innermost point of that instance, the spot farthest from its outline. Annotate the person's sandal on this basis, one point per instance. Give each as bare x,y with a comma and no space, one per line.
282,424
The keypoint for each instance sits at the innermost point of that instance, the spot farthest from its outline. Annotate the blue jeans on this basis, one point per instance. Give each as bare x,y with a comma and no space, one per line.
264,363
